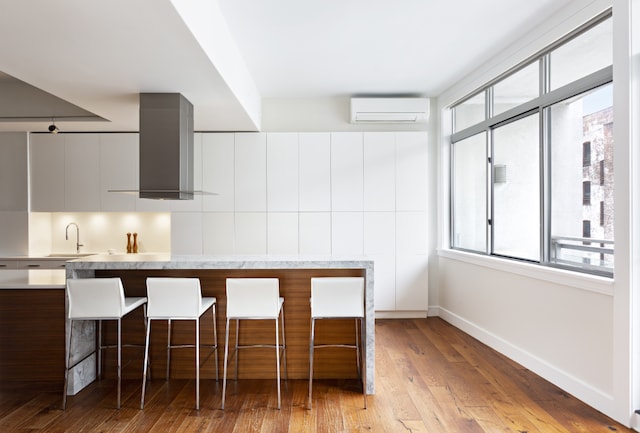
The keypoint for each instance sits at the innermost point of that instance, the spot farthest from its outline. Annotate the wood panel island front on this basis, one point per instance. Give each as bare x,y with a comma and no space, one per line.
294,274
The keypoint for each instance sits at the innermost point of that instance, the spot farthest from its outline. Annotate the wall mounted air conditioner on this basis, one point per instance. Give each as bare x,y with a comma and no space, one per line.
389,110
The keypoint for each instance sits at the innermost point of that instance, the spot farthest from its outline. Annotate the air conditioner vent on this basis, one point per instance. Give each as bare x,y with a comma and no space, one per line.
389,110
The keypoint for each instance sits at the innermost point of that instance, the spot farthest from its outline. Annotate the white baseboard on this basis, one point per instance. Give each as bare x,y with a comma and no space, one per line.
420,314
574,386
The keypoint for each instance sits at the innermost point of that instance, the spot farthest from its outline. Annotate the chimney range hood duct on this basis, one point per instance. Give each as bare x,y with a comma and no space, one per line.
166,146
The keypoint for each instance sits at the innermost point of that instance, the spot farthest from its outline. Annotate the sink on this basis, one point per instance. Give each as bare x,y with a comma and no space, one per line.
70,255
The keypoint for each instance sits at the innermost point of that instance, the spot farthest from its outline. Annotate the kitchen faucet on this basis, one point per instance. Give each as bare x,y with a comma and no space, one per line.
78,244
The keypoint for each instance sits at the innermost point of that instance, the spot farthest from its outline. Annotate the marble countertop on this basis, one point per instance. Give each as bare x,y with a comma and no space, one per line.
169,261
51,257
32,279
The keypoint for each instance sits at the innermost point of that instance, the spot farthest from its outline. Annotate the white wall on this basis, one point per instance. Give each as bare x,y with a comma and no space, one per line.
571,329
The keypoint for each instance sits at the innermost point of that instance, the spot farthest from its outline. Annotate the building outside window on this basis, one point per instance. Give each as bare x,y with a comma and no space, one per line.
547,123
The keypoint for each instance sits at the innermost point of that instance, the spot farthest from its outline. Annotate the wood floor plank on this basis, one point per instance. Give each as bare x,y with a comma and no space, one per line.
430,377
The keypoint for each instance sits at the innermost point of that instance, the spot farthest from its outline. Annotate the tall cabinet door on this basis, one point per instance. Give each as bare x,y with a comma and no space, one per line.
47,172
82,168
118,171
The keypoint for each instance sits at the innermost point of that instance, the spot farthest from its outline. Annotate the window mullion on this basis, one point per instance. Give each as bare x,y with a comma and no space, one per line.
489,180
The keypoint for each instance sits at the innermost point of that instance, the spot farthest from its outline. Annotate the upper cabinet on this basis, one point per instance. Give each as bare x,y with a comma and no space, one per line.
250,175
346,171
314,171
282,172
411,171
379,171
82,163
118,171
47,157
218,172
13,171
75,172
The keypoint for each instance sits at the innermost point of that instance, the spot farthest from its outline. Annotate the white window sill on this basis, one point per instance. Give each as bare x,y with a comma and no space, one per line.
592,283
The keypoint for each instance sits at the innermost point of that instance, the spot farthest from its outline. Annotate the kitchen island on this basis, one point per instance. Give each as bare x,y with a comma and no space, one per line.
32,328
294,274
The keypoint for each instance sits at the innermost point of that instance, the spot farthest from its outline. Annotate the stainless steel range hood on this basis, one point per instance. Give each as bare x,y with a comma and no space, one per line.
166,146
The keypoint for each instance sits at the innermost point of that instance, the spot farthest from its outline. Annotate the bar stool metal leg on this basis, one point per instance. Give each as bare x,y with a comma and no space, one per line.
67,364
224,368
278,362
168,348
311,351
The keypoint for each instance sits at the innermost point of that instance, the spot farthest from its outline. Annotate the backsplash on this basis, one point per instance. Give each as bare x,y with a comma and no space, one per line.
100,232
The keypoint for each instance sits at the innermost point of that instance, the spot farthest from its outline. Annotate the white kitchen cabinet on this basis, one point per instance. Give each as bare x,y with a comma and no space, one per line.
315,172
379,171
379,243
412,283
66,173
282,172
251,233
13,172
40,264
8,264
250,172
218,233
411,171
380,233
346,233
119,168
186,233
14,193
411,233
218,172
315,233
47,159
346,171
384,277
282,233
82,168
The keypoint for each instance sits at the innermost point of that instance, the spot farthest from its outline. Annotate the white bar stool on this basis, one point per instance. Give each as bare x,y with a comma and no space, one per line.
97,299
338,298
254,299
178,299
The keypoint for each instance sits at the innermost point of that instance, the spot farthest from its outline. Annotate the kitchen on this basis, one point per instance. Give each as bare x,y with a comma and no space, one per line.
337,199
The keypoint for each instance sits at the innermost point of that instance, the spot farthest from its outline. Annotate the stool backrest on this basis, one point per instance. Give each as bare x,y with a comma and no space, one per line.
253,297
95,298
337,297
173,297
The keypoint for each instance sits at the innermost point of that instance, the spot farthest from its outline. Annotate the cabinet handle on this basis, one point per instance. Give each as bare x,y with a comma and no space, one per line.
3,265
33,265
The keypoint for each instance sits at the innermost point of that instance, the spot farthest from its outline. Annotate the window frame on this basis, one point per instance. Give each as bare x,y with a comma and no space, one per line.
542,104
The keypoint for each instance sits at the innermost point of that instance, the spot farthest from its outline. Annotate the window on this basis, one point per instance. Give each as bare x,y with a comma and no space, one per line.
586,53
586,193
586,154
516,89
516,203
469,112
548,124
583,118
469,192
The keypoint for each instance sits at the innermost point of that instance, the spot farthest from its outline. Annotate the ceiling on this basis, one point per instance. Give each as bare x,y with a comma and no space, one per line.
94,58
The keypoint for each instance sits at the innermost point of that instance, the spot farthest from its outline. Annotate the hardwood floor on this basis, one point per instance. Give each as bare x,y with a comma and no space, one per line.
430,377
